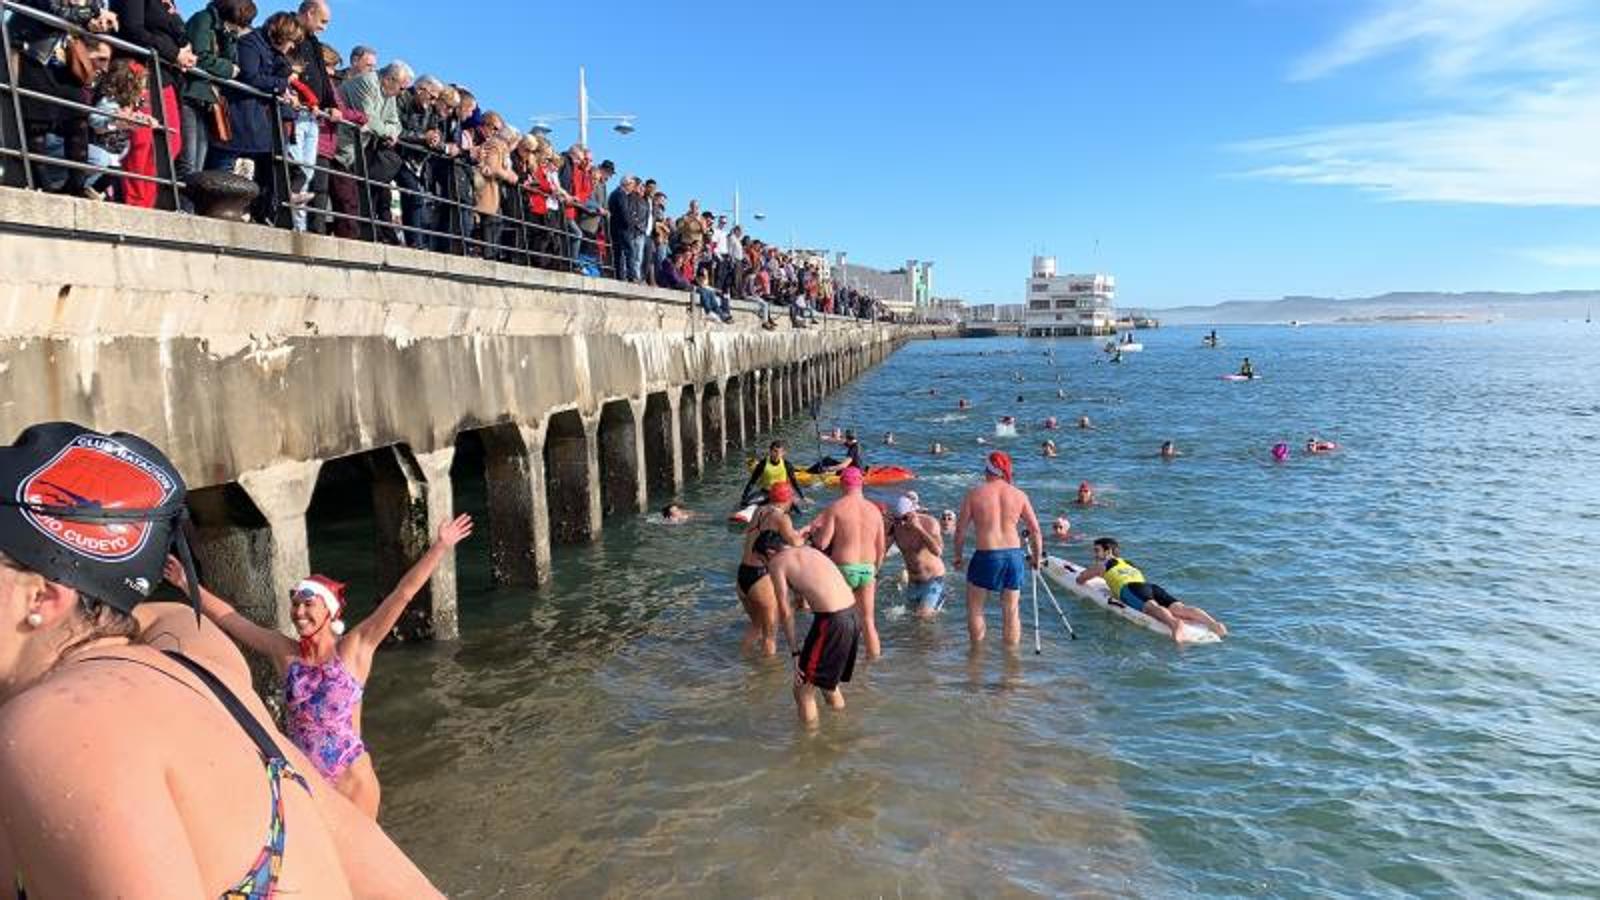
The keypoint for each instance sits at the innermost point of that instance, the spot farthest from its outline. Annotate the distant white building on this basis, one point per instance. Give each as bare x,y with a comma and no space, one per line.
1068,304
906,291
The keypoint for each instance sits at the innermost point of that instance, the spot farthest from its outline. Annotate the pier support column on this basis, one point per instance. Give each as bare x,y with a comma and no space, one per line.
620,444
250,539
769,396
411,498
689,431
519,513
571,479
712,426
733,411
752,421
663,474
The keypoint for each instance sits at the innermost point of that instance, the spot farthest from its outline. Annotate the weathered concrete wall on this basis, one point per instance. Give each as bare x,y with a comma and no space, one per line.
251,355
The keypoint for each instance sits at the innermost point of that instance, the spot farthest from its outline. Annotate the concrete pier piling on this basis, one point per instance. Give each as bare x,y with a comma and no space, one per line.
266,362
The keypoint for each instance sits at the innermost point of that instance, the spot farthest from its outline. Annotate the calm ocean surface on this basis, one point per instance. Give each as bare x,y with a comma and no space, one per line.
1407,704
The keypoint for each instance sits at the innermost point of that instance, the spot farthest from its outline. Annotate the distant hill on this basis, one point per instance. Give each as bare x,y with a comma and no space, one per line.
1388,307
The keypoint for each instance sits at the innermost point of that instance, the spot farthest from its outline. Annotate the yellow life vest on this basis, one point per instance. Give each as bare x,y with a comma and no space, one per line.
773,473
1120,572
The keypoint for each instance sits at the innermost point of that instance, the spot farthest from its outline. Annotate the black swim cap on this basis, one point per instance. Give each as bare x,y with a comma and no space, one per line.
95,512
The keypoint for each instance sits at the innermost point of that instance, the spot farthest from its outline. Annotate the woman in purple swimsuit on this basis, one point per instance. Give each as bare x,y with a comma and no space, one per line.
325,670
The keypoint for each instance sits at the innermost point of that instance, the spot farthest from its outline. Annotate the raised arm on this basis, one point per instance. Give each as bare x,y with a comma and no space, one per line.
274,645
931,539
374,628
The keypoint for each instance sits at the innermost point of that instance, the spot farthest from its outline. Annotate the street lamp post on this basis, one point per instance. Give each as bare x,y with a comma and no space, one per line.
541,123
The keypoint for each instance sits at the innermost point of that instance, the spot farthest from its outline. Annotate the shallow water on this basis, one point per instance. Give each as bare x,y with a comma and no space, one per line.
1405,706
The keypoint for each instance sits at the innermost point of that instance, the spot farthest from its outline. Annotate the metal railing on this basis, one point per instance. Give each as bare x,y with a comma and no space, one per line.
513,238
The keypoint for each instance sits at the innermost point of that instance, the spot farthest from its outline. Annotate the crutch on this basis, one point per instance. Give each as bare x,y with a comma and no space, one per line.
1052,595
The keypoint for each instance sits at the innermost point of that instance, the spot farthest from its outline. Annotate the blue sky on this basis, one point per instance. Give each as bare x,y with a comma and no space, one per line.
1210,149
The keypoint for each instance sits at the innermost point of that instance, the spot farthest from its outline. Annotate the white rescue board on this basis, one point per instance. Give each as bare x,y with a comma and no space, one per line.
1065,574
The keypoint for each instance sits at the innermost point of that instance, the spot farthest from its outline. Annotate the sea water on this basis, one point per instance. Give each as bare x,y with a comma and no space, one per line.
1406,704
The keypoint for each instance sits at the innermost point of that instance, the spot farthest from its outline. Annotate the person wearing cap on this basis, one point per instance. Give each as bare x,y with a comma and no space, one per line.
827,659
850,530
752,585
769,471
325,670
1085,495
137,760
994,509
1048,449
917,535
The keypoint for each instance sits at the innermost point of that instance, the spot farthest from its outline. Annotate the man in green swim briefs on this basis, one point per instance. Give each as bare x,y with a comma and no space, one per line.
851,532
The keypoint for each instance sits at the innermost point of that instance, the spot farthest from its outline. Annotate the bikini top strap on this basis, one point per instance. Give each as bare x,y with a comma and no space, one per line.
267,747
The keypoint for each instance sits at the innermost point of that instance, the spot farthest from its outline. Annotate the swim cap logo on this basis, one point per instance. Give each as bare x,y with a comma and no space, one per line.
96,474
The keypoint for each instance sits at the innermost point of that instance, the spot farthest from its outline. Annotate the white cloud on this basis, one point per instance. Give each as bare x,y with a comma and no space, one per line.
1565,256
1453,38
1514,91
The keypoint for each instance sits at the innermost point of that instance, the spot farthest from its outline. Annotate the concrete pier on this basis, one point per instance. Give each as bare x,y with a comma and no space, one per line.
256,356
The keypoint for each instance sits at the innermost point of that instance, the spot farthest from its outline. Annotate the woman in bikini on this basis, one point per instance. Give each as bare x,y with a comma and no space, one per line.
325,671
755,591
138,762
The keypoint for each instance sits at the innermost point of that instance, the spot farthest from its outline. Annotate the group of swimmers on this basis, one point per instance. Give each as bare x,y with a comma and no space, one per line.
137,759
831,566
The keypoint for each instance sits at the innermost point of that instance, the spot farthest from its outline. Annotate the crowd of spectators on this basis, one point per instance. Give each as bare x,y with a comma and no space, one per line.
266,99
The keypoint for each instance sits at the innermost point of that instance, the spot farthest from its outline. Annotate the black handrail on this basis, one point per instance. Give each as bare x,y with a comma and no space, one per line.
512,236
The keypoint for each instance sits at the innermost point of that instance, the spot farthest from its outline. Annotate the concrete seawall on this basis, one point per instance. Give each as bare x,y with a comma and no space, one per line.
254,356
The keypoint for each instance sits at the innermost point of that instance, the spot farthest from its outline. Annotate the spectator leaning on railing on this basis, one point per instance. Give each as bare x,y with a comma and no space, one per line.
374,94
42,62
264,66
157,25
214,34
468,182
336,151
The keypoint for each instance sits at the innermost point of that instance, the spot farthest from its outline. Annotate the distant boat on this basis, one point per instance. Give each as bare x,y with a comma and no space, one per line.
1294,323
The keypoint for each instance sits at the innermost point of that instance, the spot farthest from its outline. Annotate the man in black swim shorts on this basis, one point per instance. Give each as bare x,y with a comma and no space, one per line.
828,656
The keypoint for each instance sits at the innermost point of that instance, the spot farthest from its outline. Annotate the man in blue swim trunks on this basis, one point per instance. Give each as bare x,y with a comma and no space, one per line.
994,509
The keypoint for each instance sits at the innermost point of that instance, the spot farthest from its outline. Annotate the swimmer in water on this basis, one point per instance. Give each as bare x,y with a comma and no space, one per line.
947,520
1050,423
1020,398
1085,494
963,404
1317,445
1061,529
1280,451
888,438
1048,449
674,513
1169,450
1061,393
937,449
1083,422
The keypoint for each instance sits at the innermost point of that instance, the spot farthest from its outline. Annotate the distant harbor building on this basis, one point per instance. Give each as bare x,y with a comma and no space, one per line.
995,312
948,309
906,291
1068,304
